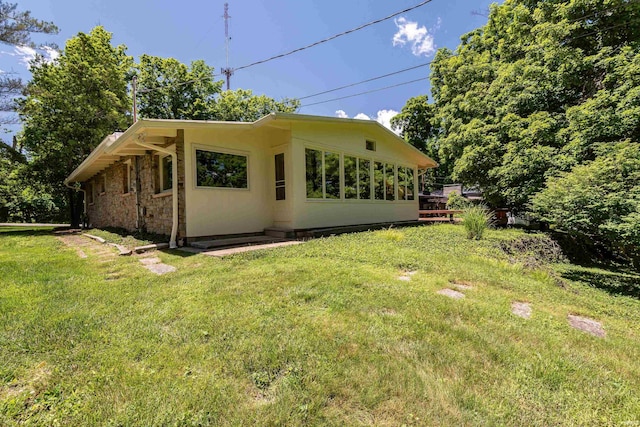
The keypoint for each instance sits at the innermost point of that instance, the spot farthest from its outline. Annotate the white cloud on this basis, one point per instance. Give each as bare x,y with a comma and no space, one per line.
26,54
341,114
362,116
421,41
384,118
51,53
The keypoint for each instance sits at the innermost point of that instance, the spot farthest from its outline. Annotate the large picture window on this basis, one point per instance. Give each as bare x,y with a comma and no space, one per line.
323,174
222,170
378,180
390,182
314,174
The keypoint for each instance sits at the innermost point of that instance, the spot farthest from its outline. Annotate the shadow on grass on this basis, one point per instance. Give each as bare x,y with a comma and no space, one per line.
615,282
25,231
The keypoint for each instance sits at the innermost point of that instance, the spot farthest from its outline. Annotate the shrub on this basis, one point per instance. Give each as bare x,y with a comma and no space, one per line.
476,219
456,201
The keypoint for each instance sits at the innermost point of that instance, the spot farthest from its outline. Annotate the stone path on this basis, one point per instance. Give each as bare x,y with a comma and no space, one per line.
105,254
519,308
155,265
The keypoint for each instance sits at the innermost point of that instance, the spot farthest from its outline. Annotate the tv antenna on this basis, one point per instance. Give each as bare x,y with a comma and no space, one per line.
227,71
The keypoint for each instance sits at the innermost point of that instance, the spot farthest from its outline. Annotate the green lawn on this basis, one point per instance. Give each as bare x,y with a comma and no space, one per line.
323,333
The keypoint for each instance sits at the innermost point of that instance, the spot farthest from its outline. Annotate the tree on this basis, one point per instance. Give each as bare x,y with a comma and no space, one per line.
508,101
172,90
16,28
599,199
70,106
243,106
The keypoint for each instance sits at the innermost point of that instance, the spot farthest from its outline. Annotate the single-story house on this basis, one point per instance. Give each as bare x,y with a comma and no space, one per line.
191,179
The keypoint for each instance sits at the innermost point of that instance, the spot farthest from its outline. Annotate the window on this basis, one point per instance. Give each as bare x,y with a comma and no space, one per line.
89,193
332,175
323,174
126,177
405,184
280,182
378,180
390,182
103,184
364,179
350,177
221,170
370,145
313,160
166,173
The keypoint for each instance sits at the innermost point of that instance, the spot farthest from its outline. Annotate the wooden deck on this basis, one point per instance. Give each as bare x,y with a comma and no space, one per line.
438,215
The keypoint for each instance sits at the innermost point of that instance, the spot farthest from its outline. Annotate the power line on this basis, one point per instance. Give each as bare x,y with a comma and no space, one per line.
365,93
335,36
366,81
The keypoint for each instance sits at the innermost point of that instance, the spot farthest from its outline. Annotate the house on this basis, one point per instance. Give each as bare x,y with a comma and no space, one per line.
191,179
438,199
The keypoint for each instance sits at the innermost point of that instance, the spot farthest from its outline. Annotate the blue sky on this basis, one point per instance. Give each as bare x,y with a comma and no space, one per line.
194,29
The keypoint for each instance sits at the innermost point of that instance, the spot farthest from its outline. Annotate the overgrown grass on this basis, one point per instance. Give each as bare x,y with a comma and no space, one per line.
476,219
323,333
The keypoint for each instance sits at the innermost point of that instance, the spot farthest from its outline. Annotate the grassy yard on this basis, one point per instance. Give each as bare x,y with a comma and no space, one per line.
323,333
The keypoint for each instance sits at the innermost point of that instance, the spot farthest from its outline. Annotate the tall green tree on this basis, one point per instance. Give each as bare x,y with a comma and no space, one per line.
170,89
508,100
71,104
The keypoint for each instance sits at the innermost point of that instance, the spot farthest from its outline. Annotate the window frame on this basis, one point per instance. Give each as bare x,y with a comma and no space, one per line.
280,183
161,158
219,150
126,166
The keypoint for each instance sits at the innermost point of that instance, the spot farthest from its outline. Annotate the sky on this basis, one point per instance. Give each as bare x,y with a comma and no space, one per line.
194,29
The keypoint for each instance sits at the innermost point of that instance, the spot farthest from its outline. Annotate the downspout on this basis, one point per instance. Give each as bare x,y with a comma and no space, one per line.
84,200
174,189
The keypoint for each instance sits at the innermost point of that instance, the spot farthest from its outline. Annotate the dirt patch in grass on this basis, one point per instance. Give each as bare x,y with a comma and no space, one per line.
33,382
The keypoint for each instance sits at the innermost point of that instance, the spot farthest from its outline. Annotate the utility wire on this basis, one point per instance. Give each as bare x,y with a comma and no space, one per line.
335,36
366,81
365,93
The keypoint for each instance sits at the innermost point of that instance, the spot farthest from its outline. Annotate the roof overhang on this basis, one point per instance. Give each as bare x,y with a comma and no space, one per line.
155,132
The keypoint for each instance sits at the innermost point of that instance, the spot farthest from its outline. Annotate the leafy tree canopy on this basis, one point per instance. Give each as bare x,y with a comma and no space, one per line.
71,104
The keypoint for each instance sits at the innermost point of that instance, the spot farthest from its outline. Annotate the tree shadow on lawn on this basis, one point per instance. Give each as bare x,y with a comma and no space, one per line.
25,231
611,280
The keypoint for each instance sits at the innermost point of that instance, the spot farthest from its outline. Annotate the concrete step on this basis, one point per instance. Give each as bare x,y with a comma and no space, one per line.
236,241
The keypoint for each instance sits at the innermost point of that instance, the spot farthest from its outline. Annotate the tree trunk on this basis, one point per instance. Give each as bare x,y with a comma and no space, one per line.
73,209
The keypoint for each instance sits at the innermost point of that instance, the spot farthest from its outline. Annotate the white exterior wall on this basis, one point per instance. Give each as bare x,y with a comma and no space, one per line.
347,140
220,211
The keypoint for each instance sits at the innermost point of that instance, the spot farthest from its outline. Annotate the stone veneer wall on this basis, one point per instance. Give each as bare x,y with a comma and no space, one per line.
114,208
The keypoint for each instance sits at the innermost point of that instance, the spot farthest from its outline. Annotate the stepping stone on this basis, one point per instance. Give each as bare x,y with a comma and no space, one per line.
451,293
81,253
405,278
160,268
154,246
587,325
521,309
96,238
123,251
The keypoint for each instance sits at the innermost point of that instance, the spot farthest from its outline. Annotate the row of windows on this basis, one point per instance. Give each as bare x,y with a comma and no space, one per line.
364,179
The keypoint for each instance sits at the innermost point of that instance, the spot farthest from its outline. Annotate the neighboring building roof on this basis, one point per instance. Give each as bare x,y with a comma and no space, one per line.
153,131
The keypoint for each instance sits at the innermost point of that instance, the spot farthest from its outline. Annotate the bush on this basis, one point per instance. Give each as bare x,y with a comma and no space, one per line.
456,201
476,219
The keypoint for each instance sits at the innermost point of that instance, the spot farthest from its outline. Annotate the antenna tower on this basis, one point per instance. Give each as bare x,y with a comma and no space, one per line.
227,71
